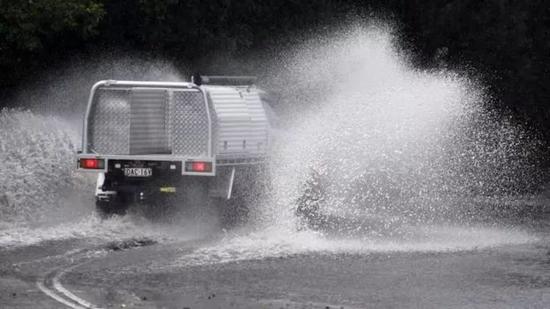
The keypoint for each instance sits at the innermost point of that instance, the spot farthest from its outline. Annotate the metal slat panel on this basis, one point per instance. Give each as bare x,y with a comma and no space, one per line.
255,107
229,104
233,119
242,127
258,137
148,125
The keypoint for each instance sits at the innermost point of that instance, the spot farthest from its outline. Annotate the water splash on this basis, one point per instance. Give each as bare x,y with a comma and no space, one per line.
380,138
37,158
42,197
274,242
64,90
94,230
380,156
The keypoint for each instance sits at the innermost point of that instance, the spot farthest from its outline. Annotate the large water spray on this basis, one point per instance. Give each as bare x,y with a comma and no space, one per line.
371,149
42,196
378,138
377,155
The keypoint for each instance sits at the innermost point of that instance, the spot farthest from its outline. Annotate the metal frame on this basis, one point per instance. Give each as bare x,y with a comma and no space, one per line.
243,161
166,85
231,180
210,141
122,83
224,80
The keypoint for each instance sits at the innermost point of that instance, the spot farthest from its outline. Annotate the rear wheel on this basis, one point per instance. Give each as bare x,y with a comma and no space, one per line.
233,212
106,209
249,188
185,199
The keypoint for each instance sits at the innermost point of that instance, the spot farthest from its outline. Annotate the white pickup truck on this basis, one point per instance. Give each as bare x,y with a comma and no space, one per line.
146,140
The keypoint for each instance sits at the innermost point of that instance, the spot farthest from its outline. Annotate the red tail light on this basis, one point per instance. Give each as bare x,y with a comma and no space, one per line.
198,166
94,164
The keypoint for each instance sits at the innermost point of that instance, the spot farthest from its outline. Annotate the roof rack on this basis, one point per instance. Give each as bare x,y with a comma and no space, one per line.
222,80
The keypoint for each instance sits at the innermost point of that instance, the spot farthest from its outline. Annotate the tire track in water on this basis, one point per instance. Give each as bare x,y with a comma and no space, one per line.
51,283
51,286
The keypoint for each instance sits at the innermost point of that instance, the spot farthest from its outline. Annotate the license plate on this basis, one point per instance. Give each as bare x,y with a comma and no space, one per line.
138,172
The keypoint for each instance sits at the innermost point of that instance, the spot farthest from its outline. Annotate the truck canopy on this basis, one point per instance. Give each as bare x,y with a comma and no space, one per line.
176,121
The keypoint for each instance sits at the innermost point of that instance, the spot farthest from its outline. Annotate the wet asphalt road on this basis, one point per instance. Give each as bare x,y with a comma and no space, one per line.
142,274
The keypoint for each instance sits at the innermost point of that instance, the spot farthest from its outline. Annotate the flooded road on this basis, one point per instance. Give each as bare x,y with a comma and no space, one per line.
388,187
451,267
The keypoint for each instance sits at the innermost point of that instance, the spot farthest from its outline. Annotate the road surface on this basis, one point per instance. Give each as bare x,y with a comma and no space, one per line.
133,263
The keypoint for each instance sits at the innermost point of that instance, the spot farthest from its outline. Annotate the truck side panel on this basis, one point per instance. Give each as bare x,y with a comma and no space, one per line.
242,126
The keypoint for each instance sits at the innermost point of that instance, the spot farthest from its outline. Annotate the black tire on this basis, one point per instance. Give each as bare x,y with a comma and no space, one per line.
250,185
190,201
233,212
106,209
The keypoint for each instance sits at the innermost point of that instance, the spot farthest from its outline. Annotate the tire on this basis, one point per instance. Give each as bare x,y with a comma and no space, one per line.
190,201
233,212
106,209
250,185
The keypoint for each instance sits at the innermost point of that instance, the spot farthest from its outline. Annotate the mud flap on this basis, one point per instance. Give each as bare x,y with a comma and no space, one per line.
100,195
221,186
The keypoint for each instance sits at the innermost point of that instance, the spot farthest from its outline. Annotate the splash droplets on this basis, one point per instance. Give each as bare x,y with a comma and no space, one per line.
385,140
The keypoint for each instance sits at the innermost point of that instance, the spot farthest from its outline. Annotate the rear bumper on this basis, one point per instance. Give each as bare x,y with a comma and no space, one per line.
113,163
115,185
